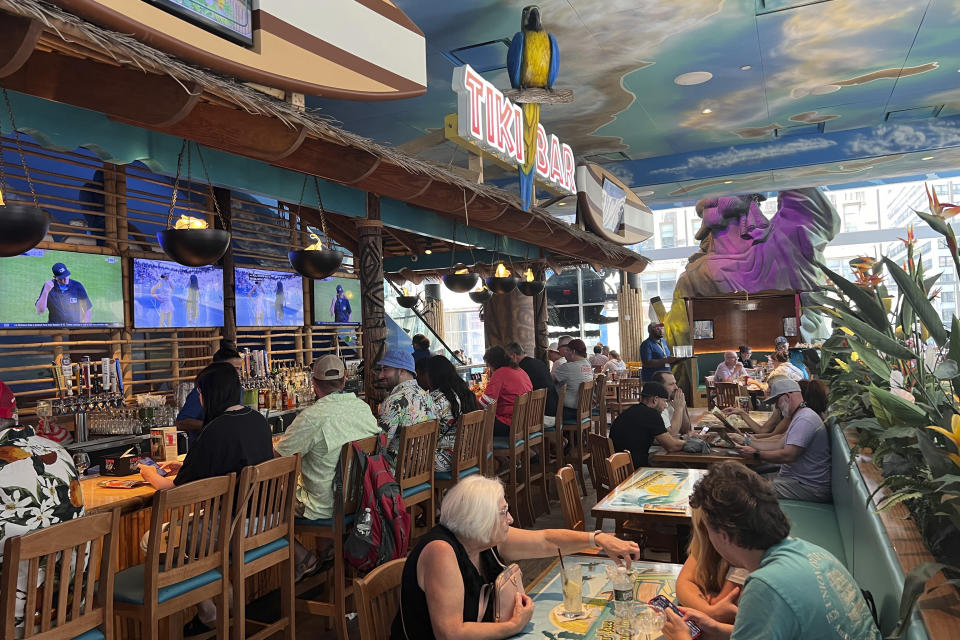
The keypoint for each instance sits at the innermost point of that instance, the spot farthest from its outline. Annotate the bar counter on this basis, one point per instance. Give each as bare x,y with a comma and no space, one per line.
98,499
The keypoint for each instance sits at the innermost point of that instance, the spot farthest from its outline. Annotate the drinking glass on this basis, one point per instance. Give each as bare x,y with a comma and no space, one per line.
82,461
648,621
571,581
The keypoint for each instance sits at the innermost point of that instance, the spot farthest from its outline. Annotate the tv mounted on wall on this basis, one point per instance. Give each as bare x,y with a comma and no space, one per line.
232,19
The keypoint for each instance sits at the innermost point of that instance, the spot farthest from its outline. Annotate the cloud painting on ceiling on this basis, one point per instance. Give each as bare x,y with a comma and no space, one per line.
675,85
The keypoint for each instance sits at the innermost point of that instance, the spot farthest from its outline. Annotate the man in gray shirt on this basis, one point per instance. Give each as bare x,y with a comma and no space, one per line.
804,458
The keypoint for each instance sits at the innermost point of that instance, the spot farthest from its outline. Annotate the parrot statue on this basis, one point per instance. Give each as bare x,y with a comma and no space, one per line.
533,61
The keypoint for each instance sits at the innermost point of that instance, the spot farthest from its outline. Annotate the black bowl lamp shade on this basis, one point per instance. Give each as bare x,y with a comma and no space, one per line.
460,282
315,263
22,226
481,296
194,247
502,285
531,287
408,302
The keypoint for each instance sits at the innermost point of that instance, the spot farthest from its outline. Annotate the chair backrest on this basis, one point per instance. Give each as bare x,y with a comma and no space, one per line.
600,403
518,422
610,391
619,467
379,599
347,500
415,460
76,555
569,492
489,419
199,515
266,514
727,394
535,409
630,389
468,444
585,401
601,447
561,395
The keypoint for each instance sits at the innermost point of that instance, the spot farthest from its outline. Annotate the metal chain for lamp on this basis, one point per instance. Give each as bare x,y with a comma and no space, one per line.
23,161
176,184
323,219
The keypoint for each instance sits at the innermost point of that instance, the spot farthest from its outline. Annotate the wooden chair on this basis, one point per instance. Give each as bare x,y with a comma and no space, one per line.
571,505
489,419
600,404
601,447
77,555
727,393
711,385
628,396
379,600
416,459
468,452
186,560
536,442
576,432
335,529
619,467
554,436
263,537
512,450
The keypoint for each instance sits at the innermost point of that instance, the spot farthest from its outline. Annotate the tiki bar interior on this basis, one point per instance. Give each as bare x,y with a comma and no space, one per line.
385,319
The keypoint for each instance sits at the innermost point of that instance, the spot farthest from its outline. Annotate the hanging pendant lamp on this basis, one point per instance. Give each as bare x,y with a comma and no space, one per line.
502,281
22,225
529,286
189,241
315,261
481,296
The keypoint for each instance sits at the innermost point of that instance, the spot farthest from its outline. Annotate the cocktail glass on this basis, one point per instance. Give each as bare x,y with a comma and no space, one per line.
571,581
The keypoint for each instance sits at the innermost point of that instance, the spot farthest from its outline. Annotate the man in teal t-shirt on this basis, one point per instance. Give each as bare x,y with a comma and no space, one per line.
795,589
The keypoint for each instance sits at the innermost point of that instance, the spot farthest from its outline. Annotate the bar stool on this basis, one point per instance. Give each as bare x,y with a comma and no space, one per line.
601,447
186,560
335,529
577,430
468,452
489,419
379,599
571,505
512,449
78,555
600,404
536,472
415,462
554,435
263,537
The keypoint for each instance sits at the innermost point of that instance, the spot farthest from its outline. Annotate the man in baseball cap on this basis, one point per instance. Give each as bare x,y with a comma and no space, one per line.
637,428
65,301
407,404
317,434
804,453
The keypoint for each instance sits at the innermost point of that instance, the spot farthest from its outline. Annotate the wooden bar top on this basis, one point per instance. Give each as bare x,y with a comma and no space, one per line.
97,499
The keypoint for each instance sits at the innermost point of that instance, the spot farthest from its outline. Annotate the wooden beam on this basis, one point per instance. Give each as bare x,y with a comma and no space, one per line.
18,38
134,96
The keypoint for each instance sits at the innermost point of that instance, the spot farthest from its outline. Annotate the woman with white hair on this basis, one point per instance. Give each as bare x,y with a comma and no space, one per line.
446,571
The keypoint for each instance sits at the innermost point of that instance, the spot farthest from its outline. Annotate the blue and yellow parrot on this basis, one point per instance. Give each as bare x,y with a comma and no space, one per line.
532,62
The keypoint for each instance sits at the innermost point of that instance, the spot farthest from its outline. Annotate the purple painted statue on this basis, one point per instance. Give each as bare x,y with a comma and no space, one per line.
740,250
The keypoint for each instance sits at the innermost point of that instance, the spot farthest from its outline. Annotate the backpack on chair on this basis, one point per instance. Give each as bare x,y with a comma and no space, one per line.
389,535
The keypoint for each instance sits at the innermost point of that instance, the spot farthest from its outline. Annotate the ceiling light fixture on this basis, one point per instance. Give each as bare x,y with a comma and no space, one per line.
728,182
561,204
692,78
927,158
746,67
429,249
707,111
648,192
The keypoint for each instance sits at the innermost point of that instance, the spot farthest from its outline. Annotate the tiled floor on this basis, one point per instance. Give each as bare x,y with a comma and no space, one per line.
314,628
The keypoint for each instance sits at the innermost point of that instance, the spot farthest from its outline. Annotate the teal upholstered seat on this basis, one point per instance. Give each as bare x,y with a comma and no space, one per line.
264,550
816,523
501,442
412,491
93,634
447,475
128,585
321,522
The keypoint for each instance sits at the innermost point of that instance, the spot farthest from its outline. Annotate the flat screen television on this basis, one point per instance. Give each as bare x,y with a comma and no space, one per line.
232,19
44,288
167,294
613,202
336,301
268,298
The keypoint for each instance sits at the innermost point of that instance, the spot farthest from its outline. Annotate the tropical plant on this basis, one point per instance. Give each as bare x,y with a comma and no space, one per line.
891,365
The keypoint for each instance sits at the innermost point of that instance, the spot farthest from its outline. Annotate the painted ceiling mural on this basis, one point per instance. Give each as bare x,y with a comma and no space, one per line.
701,97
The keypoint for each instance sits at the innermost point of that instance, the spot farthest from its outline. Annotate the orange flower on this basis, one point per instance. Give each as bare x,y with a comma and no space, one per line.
945,210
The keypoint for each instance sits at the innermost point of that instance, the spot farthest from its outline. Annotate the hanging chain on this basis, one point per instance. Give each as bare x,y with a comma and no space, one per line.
176,186
323,217
23,160
213,196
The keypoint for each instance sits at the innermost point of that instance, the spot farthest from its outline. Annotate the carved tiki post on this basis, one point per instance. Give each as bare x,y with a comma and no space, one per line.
508,317
369,267
540,337
433,309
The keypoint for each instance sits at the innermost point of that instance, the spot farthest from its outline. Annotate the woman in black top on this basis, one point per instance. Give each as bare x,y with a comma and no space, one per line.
448,568
233,437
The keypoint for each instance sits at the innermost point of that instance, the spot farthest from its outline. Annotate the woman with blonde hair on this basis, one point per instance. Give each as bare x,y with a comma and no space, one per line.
707,582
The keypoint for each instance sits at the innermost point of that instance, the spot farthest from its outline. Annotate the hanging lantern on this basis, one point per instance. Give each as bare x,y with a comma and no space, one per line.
481,296
407,301
502,281
315,261
529,286
22,225
189,241
461,281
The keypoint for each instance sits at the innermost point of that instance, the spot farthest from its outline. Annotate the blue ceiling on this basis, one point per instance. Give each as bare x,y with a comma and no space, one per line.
799,92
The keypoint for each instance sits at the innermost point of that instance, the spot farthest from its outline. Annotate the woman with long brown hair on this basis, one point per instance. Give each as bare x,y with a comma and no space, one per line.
707,582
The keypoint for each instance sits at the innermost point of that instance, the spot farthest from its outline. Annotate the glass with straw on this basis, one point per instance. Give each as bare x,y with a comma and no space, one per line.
571,581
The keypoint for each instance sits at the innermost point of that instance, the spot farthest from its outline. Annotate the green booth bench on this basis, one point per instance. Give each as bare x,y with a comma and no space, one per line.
854,533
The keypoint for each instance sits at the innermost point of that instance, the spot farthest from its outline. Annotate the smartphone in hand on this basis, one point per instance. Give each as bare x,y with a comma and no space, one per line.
150,462
663,603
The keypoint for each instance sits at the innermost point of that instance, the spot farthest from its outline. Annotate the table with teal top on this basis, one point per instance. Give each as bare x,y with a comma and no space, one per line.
650,580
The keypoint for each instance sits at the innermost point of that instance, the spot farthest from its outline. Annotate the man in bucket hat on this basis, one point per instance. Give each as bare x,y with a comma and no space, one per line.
804,453
408,404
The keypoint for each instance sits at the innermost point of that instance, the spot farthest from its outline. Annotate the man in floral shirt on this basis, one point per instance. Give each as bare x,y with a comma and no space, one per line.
39,487
407,404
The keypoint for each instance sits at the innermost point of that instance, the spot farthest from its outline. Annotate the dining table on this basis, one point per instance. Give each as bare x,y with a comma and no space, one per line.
699,460
650,495
650,579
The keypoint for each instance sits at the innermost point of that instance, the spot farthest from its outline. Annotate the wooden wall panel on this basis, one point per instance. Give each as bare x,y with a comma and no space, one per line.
733,327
